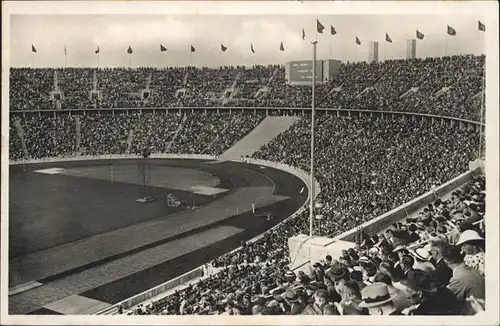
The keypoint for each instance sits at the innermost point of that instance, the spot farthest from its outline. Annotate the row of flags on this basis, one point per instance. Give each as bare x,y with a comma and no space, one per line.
162,49
319,28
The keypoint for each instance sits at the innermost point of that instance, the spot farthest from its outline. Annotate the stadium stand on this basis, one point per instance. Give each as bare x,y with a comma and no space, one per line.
416,276
446,86
366,166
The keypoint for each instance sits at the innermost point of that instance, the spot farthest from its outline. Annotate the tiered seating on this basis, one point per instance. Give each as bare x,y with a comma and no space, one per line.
443,86
75,85
255,280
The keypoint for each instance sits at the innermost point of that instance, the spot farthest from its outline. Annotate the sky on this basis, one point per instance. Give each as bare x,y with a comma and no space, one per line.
81,34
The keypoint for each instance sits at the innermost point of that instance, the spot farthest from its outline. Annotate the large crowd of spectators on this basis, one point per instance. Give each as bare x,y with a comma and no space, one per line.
368,166
365,166
430,264
444,86
100,133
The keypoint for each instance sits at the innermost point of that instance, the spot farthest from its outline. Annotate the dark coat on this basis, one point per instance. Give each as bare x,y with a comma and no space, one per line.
441,303
442,273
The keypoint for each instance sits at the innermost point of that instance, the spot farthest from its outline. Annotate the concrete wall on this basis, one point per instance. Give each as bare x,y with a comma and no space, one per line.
151,293
305,251
395,215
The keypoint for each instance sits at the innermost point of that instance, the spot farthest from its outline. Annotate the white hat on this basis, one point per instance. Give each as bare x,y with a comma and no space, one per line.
468,235
422,254
358,268
398,248
374,295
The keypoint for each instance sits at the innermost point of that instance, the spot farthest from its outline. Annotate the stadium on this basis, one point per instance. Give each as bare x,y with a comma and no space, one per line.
192,191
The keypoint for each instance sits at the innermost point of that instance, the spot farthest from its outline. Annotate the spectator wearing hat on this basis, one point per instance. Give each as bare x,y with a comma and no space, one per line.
337,272
317,272
401,298
442,273
377,300
472,245
373,252
369,269
351,298
290,277
422,260
294,300
465,281
427,298
320,300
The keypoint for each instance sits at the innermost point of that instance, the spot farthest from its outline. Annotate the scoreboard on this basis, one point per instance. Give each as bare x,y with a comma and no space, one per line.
300,72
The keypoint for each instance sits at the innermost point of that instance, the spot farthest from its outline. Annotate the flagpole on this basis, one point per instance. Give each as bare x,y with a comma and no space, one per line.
445,54
129,60
446,45
65,58
330,49
311,195
477,41
98,60
385,50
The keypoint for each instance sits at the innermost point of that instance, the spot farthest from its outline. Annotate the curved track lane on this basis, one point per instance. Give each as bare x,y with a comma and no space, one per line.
113,265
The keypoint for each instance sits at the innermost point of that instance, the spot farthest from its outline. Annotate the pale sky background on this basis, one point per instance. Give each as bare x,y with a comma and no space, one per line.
114,33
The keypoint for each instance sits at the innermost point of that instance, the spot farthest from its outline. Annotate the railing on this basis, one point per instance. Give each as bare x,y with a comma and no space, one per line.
387,219
151,293
230,109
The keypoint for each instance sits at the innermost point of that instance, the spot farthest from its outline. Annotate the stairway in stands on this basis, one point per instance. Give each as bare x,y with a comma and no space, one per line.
266,131
177,131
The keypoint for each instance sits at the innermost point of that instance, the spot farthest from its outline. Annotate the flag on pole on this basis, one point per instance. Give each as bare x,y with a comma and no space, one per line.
332,30
420,36
97,51
65,52
193,49
358,42
481,26
33,49
129,50
162,48
282,48
388,38
303,34
451,31
319,27
251,48
223,48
